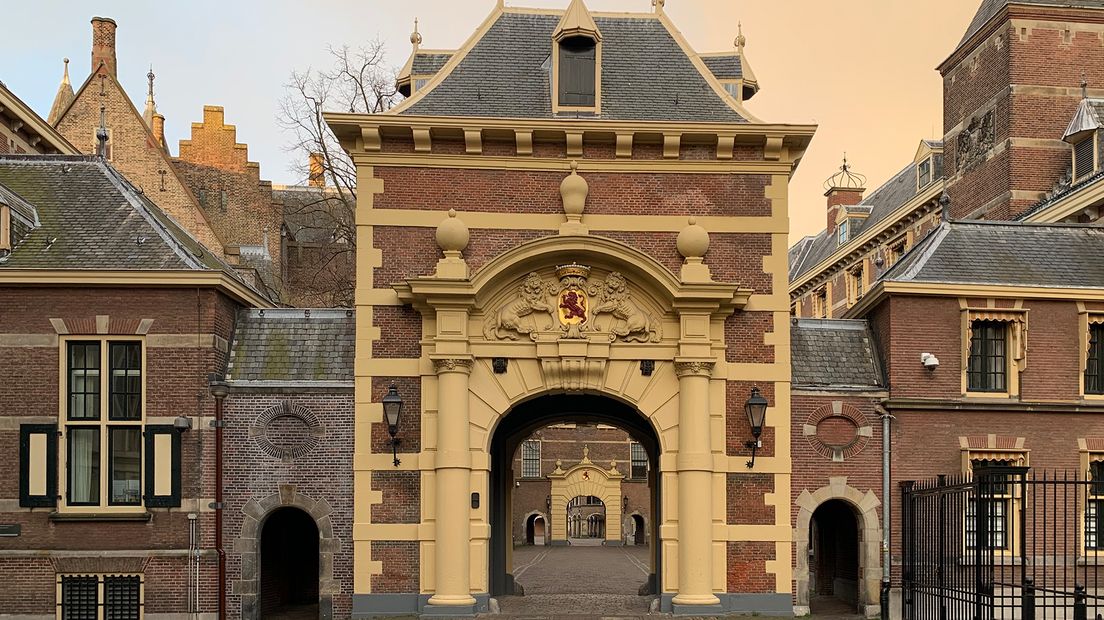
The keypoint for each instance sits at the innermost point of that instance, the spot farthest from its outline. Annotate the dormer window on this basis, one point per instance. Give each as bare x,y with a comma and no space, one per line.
5,230
1084,157
843,232
924,173
577,72
577,62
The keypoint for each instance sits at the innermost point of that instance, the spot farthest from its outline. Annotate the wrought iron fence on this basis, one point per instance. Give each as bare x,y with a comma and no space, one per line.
1006,543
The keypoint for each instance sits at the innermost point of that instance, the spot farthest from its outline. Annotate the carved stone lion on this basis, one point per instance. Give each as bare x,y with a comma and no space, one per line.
630,322
510,321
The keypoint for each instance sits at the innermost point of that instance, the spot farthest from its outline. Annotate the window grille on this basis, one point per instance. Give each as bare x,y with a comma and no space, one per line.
80,598
1094,367
530,459
639,457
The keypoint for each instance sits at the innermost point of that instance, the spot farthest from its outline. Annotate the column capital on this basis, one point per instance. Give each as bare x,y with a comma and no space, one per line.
453,364
694,367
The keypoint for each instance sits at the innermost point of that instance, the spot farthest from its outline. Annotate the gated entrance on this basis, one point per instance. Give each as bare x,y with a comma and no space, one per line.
1003,543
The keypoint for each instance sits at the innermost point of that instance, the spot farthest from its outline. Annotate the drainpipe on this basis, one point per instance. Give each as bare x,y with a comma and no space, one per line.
886,513
219,390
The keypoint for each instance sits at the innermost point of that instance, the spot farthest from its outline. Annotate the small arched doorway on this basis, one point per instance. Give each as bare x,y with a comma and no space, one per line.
289,565
535,530
588,514
639,533
834,567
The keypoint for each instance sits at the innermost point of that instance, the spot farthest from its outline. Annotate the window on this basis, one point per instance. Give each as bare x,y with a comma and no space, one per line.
987,368
820,303
104,456
1094,507
897,249
1084,157
202,196
100,597
577,78
639,458
998,495
855,284
531,459
924,173
841,232
223,200
1094,366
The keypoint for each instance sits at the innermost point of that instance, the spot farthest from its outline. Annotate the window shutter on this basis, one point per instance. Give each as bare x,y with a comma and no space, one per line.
162,466
38,464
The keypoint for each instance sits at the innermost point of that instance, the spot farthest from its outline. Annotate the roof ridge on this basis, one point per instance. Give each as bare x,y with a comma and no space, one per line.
933,241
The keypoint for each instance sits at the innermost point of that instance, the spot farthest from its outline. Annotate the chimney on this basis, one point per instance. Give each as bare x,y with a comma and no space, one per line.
159,130
317,176
843,189
103,45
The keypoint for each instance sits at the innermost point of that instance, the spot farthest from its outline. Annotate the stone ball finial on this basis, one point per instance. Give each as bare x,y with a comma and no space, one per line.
574,190
693,241
452,233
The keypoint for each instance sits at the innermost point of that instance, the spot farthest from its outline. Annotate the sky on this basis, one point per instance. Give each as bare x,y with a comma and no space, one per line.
862,70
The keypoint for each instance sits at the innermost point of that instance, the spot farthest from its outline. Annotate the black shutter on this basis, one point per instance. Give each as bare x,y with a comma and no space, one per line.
156,462
41,461
577,72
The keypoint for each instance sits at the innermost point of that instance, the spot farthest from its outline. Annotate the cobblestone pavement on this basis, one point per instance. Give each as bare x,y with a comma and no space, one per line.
579,582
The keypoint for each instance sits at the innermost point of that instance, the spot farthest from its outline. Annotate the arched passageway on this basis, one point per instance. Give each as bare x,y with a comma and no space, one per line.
581,516
834,568
639,536
535,530
289,565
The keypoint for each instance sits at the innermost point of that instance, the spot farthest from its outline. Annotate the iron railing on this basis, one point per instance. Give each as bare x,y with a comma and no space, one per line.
1006,543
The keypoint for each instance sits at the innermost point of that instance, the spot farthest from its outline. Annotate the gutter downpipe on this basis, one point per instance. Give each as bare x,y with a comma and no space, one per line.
219,390
887,573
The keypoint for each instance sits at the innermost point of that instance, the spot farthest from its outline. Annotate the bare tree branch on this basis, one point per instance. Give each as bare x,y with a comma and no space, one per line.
359,81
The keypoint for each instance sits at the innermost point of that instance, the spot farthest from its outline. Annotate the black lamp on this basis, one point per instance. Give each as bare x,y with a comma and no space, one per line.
756,410
392,410
625,504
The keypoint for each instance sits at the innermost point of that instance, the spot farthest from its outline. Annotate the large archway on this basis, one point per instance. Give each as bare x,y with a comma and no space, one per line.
543,411
289,565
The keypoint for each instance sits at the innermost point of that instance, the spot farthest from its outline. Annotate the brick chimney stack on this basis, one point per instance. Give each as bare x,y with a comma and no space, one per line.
159,130
843,189
103,46
317,176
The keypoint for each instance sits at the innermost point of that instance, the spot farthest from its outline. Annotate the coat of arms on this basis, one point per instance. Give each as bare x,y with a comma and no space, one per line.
573,305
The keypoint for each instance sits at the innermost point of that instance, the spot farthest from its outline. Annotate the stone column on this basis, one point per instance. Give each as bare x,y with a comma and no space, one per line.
695,492
453,485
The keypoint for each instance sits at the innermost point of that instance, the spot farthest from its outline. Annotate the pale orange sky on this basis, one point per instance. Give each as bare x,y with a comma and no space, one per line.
863,70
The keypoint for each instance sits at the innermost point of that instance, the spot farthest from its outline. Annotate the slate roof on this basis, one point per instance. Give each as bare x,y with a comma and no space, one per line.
91,217
429,63
885,200
989,9
646,75
1009,253
295,346
308,215
836,353
725,67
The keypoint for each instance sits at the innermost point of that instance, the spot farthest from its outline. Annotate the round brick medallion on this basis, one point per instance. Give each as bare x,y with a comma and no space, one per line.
287,431
838,431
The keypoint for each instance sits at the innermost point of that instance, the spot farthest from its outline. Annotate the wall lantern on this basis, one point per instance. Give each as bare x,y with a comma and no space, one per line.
548,503
625,504
756,410
392,410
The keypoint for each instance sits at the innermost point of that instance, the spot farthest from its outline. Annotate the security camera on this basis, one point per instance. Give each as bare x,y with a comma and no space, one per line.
929,361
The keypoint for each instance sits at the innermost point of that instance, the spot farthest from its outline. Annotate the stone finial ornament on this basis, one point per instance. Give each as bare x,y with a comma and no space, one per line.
452,238
416,37
574,190
692,244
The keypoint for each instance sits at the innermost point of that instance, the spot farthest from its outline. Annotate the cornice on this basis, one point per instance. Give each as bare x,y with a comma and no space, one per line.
976,404
1069,204
135,278
939,289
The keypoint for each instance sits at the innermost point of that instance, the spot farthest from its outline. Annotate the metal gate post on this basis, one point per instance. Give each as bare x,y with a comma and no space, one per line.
1080,603
942,545
908,550
1028,611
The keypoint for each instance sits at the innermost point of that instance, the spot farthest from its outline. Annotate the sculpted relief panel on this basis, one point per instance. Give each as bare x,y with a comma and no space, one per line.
574,308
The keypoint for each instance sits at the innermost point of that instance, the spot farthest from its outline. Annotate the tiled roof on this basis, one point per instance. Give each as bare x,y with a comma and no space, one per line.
834,353
728,67
429,63
1008,253
883,202
989,9
92,218
646,75
292,346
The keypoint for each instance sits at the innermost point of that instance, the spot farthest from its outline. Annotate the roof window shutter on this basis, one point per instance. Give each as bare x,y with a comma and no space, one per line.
577,71
38,465
162,466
